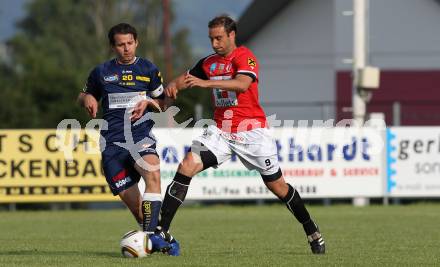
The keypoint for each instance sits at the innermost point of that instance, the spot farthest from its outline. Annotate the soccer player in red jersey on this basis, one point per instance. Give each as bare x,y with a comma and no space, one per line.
232,75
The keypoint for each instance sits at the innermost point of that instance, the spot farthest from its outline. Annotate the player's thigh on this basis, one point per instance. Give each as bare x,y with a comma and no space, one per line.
148,166
119,173
258,151
211,148
190,165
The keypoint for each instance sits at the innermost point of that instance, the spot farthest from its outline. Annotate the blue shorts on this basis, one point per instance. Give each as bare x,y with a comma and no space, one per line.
119,169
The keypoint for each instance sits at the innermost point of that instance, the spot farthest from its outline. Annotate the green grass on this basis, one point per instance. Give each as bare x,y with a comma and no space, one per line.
228,236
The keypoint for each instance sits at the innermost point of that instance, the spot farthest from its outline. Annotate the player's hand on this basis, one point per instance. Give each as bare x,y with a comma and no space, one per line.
192,81
91,105
138,110
171,91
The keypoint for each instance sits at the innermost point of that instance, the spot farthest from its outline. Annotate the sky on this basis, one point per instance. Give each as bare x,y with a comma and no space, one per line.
10,12
195,15
192,14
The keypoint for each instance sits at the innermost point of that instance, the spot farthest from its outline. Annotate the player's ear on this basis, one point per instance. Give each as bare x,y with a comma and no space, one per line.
232,35
113,48
136,42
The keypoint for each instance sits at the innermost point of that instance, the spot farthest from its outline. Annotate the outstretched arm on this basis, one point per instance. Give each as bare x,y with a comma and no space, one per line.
175,86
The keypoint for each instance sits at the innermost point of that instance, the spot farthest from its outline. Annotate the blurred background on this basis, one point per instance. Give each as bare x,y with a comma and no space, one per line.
305,49
318,59
47,49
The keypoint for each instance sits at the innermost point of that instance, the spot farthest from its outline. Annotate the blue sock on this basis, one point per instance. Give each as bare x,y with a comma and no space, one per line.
151,203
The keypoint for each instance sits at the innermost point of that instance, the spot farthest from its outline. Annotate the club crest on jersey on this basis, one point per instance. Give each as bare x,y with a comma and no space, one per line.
251,62
111,78
212,67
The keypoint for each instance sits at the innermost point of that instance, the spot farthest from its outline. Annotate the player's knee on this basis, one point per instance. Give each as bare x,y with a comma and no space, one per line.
189,166
153,181
271,178
276,183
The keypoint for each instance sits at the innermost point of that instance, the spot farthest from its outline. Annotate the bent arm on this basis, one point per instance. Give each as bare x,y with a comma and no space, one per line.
174,87
239,83
179,82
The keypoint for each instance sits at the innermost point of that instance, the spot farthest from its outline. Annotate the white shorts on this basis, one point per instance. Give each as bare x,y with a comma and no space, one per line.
256,149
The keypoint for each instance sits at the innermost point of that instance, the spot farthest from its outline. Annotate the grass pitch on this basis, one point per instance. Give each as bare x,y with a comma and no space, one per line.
228,236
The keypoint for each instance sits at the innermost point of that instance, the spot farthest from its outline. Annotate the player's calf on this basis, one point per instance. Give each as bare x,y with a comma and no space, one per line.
296,206
174,197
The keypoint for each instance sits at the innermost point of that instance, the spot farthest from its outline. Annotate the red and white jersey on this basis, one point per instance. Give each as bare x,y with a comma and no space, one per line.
234,111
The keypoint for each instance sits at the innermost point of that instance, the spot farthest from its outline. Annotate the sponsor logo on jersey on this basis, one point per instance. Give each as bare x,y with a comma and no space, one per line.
143,78
251,62
111,78
127,83
228,67
125,100
232,137
212,67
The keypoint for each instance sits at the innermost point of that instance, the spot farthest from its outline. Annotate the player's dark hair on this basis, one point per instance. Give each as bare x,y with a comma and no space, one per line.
225,21
121,28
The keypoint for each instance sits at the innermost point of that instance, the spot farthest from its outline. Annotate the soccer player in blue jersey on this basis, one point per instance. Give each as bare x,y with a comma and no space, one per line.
129,86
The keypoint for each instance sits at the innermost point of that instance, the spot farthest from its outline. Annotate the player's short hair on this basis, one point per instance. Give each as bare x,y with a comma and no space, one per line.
224,20
121,28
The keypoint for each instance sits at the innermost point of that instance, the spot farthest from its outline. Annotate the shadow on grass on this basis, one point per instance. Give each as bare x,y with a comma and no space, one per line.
35,252
233,254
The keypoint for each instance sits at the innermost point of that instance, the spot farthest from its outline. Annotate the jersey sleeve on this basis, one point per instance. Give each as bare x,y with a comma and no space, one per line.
246,64
155,86
93,85
198,71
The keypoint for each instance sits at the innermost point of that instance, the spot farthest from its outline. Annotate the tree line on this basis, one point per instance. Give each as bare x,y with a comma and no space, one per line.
59,42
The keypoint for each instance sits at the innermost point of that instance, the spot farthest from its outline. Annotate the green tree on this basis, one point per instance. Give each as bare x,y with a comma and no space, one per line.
59,42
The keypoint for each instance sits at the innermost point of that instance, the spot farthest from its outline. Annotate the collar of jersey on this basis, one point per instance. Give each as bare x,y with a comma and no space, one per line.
136,59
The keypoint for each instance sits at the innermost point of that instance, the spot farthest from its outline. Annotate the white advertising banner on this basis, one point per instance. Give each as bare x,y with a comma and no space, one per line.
413,161
318,162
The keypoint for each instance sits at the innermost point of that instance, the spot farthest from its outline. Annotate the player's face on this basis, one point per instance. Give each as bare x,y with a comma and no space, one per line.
221,42
125,48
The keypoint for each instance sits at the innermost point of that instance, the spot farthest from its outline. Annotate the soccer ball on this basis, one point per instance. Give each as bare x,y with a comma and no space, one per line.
136,244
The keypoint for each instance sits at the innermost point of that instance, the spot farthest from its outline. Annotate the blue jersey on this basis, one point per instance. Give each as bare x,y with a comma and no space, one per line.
118,87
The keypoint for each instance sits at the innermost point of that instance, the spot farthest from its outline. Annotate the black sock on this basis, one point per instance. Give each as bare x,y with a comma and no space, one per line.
296,205
174,197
